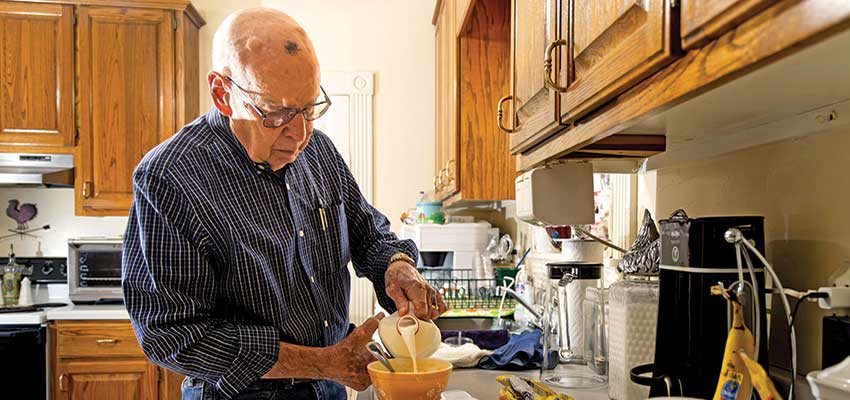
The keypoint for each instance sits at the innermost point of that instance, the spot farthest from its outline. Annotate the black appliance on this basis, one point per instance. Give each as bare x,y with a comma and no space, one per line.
23,349
692,323
836,340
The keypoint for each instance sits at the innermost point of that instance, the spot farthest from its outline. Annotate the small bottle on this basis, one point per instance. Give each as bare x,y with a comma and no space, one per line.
11,281
25,298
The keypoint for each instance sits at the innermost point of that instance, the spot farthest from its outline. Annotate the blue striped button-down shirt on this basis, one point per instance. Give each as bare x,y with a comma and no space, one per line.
223,258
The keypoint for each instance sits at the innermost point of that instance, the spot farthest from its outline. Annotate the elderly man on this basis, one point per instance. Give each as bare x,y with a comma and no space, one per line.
243,223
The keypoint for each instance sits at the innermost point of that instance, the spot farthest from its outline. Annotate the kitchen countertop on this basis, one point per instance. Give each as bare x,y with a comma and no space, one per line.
69,312
482,385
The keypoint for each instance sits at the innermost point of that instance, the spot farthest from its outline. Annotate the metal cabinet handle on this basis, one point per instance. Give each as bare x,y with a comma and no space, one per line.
62,383
499,112
87,189
547,66
106,341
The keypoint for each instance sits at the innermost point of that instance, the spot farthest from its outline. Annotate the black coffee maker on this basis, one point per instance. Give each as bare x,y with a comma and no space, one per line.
692,323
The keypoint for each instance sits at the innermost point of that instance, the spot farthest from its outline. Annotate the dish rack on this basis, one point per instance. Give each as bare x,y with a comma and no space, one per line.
467,294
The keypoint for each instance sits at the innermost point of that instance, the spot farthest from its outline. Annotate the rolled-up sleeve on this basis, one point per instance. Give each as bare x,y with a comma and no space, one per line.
170,292
371,241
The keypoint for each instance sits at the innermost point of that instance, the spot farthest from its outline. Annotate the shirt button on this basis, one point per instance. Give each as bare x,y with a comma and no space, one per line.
326,323
287,186
301,233
312,279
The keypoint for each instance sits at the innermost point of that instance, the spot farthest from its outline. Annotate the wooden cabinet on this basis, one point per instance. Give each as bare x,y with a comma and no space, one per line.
705,20
103,80
112,380
37,64
126,93
95,360
445,178
473,161
535,27
612,45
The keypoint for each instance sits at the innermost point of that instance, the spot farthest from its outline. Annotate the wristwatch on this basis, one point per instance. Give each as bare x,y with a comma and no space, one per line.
401,257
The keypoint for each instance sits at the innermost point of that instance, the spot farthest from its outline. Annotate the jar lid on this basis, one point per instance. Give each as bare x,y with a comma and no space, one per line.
578,269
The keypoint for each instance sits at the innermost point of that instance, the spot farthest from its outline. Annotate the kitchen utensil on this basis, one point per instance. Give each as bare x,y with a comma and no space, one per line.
427,336
378,351
568,281
402,384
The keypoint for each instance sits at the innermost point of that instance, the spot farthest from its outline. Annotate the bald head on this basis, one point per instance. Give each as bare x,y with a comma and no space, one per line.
267,52
269,56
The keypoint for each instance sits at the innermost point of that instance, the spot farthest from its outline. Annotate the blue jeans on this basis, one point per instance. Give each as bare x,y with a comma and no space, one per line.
268,389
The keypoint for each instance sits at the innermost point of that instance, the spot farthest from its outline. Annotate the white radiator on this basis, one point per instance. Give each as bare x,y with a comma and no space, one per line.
362,303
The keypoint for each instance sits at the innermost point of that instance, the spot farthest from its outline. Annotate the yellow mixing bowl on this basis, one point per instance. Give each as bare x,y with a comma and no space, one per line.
403,384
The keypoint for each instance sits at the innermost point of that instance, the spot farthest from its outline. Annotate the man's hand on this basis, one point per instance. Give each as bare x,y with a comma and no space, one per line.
404,284
349,358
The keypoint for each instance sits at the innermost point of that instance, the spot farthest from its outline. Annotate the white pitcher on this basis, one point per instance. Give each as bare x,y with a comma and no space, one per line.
426,335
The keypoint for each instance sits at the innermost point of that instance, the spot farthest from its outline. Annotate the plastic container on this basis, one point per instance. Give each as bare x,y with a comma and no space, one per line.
632,318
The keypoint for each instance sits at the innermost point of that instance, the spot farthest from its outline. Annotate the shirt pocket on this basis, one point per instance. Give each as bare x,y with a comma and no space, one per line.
333,243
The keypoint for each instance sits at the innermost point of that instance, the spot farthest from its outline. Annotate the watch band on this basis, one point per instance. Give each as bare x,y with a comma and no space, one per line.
401,257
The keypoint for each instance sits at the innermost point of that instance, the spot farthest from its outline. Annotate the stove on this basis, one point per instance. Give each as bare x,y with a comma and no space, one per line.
44,269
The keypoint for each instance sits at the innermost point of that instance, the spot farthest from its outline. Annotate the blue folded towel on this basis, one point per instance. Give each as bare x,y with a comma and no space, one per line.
523,351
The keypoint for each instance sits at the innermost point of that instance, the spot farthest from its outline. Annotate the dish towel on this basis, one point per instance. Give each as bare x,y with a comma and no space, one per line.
523,351
464,356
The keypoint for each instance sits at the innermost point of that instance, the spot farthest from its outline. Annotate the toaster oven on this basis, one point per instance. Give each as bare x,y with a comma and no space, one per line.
94,270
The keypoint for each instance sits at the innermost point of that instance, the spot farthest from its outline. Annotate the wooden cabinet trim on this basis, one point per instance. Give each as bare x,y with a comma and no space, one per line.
722,16
776,32
161,4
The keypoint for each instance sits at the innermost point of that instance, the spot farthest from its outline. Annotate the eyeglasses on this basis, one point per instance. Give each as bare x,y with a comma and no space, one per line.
276,119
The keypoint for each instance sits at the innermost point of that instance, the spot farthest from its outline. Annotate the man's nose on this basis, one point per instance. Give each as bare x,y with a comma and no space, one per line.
296,129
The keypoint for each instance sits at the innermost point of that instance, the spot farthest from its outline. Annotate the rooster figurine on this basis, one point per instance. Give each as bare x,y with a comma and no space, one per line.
21,213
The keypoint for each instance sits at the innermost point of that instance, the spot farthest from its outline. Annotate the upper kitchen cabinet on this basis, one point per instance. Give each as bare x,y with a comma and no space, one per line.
752,72
473,160
126,95
37,64
537,73
705,20
445,178
485,167
612,45
137,83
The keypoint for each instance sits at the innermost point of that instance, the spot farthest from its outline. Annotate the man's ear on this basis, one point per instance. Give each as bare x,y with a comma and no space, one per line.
220,96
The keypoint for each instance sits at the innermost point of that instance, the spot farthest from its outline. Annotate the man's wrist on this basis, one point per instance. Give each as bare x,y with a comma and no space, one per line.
400,256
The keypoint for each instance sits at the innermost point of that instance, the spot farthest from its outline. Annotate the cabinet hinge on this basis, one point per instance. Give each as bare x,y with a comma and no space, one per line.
174,21
76,19
77,137
159,375
674,3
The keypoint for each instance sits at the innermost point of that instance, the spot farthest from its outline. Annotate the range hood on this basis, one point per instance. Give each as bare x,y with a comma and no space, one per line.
20,169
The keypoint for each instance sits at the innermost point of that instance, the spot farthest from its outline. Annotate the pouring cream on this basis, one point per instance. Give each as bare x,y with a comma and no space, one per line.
408,327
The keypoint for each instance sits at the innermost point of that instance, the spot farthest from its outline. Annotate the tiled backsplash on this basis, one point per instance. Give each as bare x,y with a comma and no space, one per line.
55,208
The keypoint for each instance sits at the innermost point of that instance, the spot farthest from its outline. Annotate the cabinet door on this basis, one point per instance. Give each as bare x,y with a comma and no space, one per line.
704,20
446,182
37,64
126,86
535,27
614,44
106,380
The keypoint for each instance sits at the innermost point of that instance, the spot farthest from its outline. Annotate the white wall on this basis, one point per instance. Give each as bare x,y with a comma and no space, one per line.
394,39
55,208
